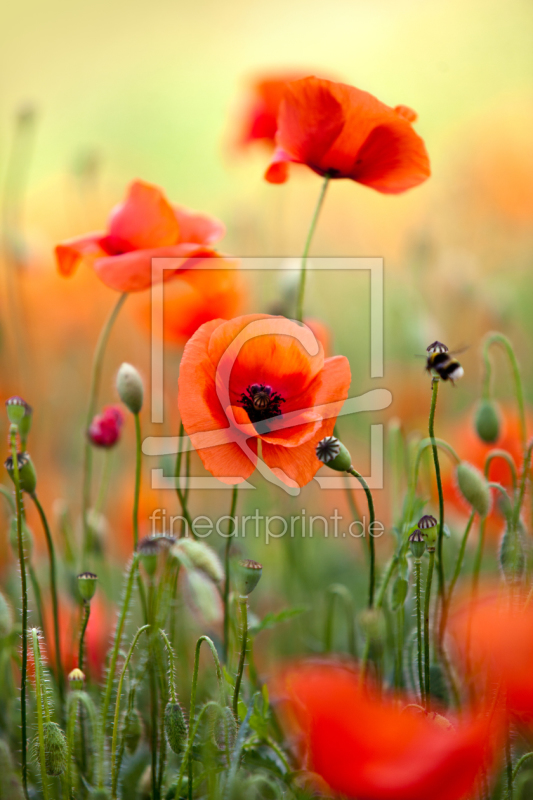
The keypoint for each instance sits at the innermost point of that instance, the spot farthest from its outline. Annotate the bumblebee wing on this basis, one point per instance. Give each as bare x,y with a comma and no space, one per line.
459,351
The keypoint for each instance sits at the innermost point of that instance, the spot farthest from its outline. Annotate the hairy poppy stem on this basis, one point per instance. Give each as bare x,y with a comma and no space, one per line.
440,563
40,720
427,601
303,270
419,629
226,572
243,604
53,588
86,615
93,395
503,341
371,544
138,462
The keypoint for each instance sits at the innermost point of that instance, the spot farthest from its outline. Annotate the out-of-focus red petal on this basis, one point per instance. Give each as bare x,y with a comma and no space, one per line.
278,169
198,228
145,219
407,113
71,253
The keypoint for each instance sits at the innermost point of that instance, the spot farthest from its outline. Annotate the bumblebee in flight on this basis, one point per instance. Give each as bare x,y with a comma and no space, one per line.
441,362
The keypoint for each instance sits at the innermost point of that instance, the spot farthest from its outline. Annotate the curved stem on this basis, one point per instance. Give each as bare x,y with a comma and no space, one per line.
53,588
503,341
227,576
86,615
440,563
187,754
93,394
505,456
521,761
371,545
40,721
307,246
522,488
429,579
138,461
243,604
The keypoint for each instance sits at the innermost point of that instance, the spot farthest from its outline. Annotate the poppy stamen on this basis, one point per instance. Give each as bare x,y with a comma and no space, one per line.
261,402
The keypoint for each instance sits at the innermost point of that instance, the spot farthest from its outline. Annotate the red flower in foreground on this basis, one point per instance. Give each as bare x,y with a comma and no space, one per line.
143,227
368,748
340,131
260,119
259,377
104,430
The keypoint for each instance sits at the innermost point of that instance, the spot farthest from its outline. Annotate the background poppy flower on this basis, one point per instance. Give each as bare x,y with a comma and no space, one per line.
237,377
365,747
143,227
260,116
343,132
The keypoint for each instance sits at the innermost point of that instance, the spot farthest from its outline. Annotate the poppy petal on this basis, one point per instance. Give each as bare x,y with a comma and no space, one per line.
71,253
198,228
278,169
392,159
145,219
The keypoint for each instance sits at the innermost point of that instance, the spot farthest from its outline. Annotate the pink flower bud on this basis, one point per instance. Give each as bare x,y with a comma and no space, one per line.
104,430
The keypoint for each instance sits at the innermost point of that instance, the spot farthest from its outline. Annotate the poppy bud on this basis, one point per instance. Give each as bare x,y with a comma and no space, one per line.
133,730
176,727
55,749
16,408
87,585
200,556
248,576
203,596
512,556
487,421
27,538
104,430
27,474
417,544
223,728
6,617
474,488
332,452
76,679
130,388
426,522
372,622
149,549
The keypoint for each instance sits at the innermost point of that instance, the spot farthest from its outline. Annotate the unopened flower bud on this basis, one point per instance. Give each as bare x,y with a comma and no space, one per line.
203,596
130,388
512,556
6,617
417,544
55,749
201,556
474,488
248,576
133,730
76,679
16,409
223,726
27,474
27,538
487,421
104,430
87,585
332,452
372,622
176,727
426,522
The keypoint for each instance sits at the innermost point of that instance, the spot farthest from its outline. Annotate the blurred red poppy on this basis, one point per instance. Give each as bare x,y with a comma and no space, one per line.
343,132
104,430
367,747
143,227
196,296
260,117
244,380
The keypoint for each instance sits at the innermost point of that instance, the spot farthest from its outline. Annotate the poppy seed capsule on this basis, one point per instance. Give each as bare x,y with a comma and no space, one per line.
487,422
130,388
473,487
16,409
176,727
149,549
87,585
55,749
248,576
76,679
417,544
426,522
27,474
332,452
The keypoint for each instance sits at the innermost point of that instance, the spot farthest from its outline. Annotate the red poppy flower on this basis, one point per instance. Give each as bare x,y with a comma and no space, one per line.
260,118
259,377
104,430
143,227
368,748
340,131
196,296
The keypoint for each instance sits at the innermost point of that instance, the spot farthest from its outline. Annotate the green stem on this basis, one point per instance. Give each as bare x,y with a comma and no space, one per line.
138,461
154,734
193,730
457,572
40,721
371,544
227,575
243,604
509,766
522,489
503,341
86,615
521,761
427,600
303,269
418,582
96,375
53,588
24,586
440,561
181,496
37,594
171,664
340,591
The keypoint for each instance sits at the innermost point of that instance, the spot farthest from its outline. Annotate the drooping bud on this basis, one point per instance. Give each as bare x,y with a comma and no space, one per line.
201,556
223,726
130,388
27,474
512,555
55,749
133,730
6,617
87,582
474,488
16,409
248,575
487,421
176,727
27,538
417,544
76,679
332,452
104,430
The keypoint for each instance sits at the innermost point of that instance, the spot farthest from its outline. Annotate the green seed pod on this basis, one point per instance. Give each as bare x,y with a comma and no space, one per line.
27,539
149,549
55,749
223,728
417,544
512,555
16,409
248,575
176,727
130,388
473,487
76,679
6,617
487,421
133,730
27,474
332,452
87,582
201,556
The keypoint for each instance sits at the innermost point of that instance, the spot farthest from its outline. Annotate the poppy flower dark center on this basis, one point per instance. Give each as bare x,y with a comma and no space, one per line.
261,402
